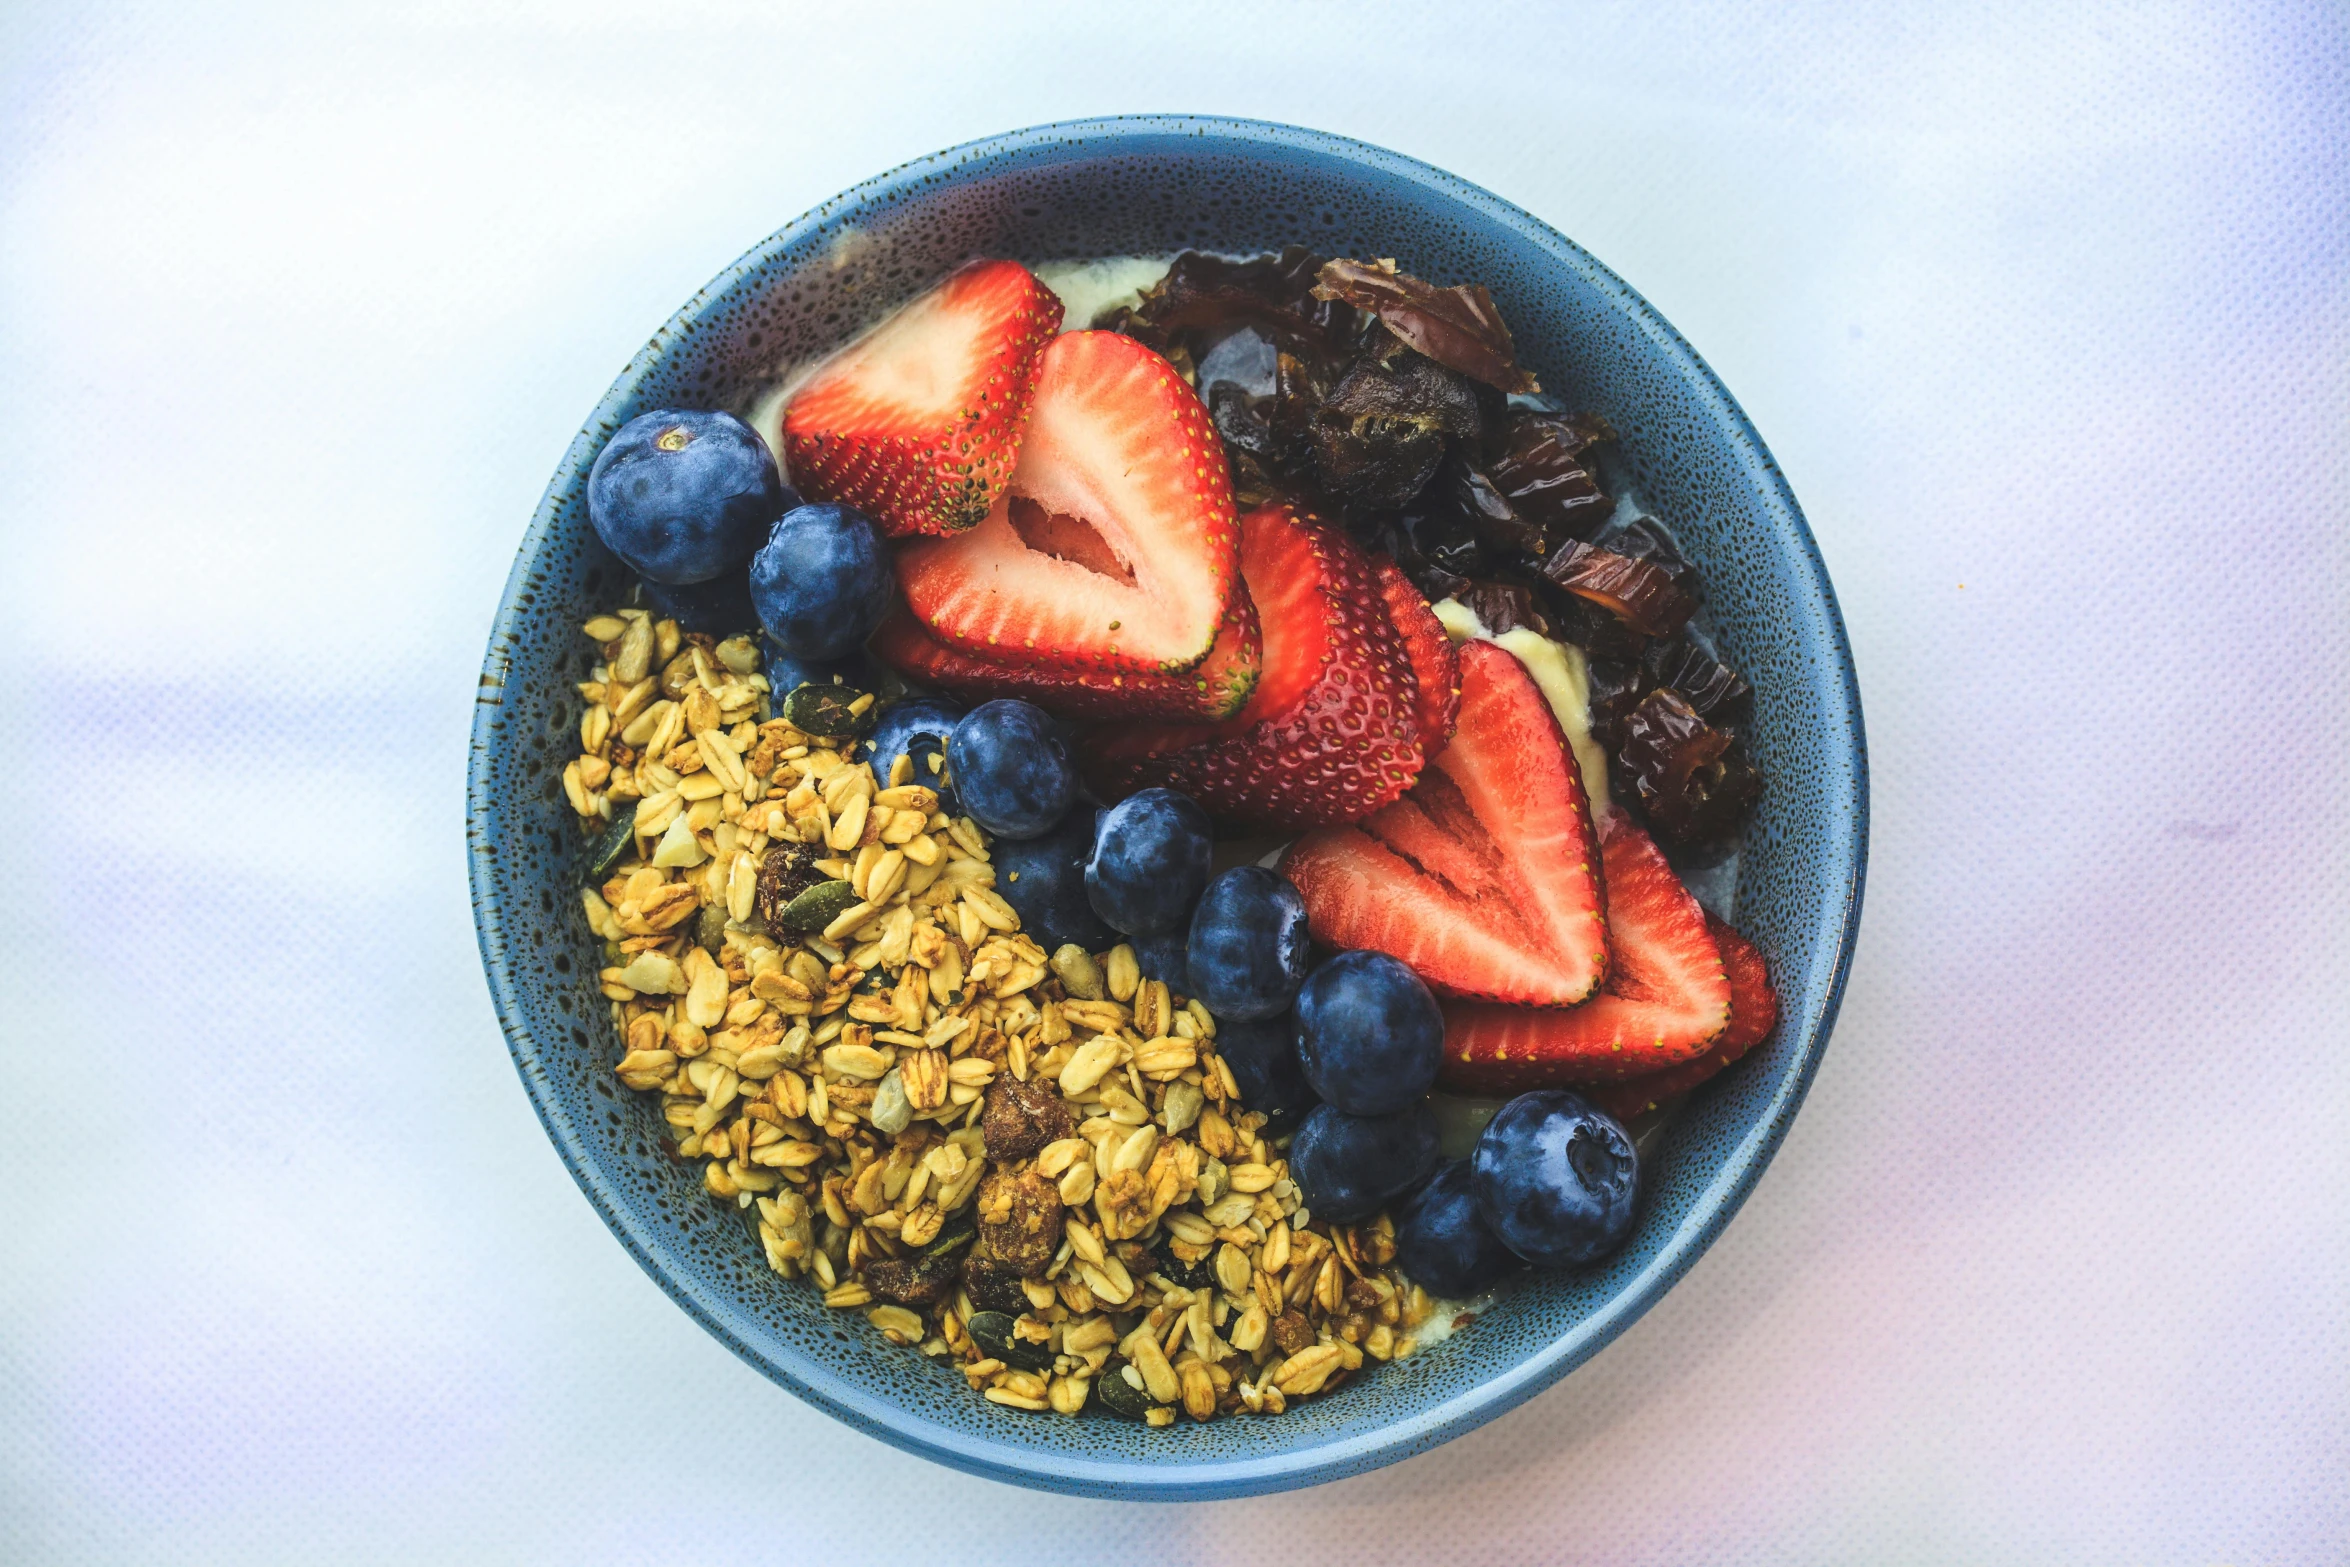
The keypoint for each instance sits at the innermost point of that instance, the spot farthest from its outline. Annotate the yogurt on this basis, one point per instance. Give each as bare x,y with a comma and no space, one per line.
1087,288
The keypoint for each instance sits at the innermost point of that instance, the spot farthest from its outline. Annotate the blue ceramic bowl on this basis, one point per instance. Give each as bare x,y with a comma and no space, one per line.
1153,185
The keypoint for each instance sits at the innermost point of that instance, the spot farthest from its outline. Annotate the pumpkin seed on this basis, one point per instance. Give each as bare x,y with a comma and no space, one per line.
819,906
1119,1396
824,710
992,1331
710,928
612,847
952,1239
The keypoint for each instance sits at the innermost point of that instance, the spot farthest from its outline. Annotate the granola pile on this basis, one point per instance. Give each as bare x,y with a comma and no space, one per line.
1032,1163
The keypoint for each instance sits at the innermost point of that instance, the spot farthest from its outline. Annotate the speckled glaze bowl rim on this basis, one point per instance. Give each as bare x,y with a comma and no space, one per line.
1179,1478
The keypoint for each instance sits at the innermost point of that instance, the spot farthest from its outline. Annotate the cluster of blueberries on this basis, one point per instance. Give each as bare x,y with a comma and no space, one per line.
1340,1055
690,500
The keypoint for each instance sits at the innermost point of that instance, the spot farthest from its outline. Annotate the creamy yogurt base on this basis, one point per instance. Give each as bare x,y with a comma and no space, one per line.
764,412
1087,288
1444,1319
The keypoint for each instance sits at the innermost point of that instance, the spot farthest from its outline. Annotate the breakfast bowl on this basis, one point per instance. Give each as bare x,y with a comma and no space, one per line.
1144,186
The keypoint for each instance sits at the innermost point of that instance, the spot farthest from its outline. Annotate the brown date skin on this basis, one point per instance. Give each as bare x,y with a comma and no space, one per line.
1386,425
1712,687
1460,328
1543,474
1689,777
1204,296
1641,593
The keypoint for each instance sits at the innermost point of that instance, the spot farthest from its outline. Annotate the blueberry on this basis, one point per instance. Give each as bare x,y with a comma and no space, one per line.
1556,1179
1043,879
822,581
1345,1165
1248,944
1012,768
1162,957
1443,1244
719,607
1262,1053
1369,1037
1149,862
684,496
917,728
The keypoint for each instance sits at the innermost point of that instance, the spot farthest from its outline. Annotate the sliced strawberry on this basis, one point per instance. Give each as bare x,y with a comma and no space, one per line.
1449,935
1754,1012
919,421
1666,999
1116,548
1485,877
1328,735
1519,783
1214,688
1435,664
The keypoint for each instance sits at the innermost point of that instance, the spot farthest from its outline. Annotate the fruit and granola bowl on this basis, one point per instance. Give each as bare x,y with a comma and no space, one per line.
1097,824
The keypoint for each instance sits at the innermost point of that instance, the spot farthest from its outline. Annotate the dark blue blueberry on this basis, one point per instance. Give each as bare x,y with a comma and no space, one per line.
1369,1037
720,607
822,581
1443,1244
1162,957
917,727
684,496
1149,862
1012,768
1262,1053
1248,944
1556,1179
1346,1166
1043,879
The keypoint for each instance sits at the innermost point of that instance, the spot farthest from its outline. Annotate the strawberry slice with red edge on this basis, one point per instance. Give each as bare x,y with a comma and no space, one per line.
1485,877
919,421
1328,736
1116,548
1754,1012
1217,687
1667,996
1436,666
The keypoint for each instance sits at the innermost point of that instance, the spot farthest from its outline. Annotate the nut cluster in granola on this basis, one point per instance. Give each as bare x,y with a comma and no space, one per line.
1033,1163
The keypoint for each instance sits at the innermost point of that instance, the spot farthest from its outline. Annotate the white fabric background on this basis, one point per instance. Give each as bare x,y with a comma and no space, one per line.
297,313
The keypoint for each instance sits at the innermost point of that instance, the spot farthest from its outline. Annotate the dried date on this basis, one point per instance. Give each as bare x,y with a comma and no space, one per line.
1543,474
1643,593
1460,328
1385,426
1691,779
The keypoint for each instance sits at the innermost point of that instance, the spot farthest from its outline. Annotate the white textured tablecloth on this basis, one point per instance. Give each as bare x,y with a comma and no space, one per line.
2046,311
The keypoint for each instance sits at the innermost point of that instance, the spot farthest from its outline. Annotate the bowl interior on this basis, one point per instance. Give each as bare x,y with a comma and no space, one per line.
1152,186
